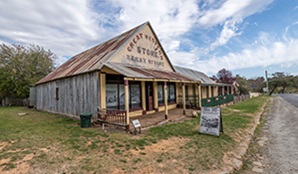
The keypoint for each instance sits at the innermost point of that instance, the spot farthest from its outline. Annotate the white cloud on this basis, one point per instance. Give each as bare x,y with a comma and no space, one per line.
173,45
186,59
60,60
71,26
231,9
229,31
229,14
291,31
170,19
263,55
65,27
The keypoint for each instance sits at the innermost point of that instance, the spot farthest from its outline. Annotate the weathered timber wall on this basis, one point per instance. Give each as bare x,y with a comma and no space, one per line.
76,94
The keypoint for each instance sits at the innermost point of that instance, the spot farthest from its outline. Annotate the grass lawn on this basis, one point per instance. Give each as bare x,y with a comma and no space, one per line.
41,142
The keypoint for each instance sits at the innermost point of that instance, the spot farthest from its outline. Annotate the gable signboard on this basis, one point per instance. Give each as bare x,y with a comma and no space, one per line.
144,50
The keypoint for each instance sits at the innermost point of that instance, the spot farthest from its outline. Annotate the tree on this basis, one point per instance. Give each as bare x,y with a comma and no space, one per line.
243,84
256,84
280,79
224,76
21,67
294,81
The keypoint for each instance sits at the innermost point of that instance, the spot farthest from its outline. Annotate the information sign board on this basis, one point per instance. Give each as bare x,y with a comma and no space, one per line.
136,123
211,121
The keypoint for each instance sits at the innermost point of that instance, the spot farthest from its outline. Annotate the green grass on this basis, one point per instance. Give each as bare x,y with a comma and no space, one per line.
91,149
251,105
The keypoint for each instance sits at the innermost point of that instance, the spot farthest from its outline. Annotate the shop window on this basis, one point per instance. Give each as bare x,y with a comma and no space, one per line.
171,92
115,96
135,96
160,94
115,93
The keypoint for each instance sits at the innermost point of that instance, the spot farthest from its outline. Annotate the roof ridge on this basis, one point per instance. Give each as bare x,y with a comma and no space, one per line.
113,38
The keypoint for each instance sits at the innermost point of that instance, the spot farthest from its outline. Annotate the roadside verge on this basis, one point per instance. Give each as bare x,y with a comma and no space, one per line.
233,160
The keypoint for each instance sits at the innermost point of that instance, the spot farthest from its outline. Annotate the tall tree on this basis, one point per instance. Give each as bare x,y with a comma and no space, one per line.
243,87
294,81
256,84
224,76
280,79
21,67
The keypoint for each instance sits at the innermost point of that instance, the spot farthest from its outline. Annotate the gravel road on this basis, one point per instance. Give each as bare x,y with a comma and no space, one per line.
282,134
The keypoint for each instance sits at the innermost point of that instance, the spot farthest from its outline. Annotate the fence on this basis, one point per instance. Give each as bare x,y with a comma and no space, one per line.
13,102
116,117
216,101
191,101
240,98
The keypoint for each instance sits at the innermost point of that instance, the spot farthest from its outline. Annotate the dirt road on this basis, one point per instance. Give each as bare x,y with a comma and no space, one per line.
280,152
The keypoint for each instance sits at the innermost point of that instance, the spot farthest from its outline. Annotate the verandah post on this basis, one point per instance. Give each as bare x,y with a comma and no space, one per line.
165,88
102,86
126,101
200,95
183,98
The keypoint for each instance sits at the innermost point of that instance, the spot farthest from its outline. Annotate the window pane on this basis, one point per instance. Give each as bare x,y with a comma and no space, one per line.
135,96
171,93
112,96
122,96
160,94
186,93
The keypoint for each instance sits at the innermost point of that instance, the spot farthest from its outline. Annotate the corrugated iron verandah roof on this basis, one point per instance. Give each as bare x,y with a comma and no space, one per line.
196,75
142,73
91,59
199,76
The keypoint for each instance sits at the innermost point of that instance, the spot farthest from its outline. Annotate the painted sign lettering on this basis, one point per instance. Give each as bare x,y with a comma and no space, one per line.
156,53
144,60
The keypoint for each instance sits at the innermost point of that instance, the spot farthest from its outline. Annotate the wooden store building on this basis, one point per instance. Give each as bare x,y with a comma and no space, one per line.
129,75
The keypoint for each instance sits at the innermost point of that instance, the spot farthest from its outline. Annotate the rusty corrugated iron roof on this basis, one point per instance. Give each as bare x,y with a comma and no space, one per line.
91,59
136,72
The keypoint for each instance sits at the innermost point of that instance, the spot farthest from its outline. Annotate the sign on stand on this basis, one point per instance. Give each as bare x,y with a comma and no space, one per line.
136,124
211,121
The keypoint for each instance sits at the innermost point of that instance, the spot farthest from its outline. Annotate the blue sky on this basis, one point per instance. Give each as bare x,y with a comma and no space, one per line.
246,37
